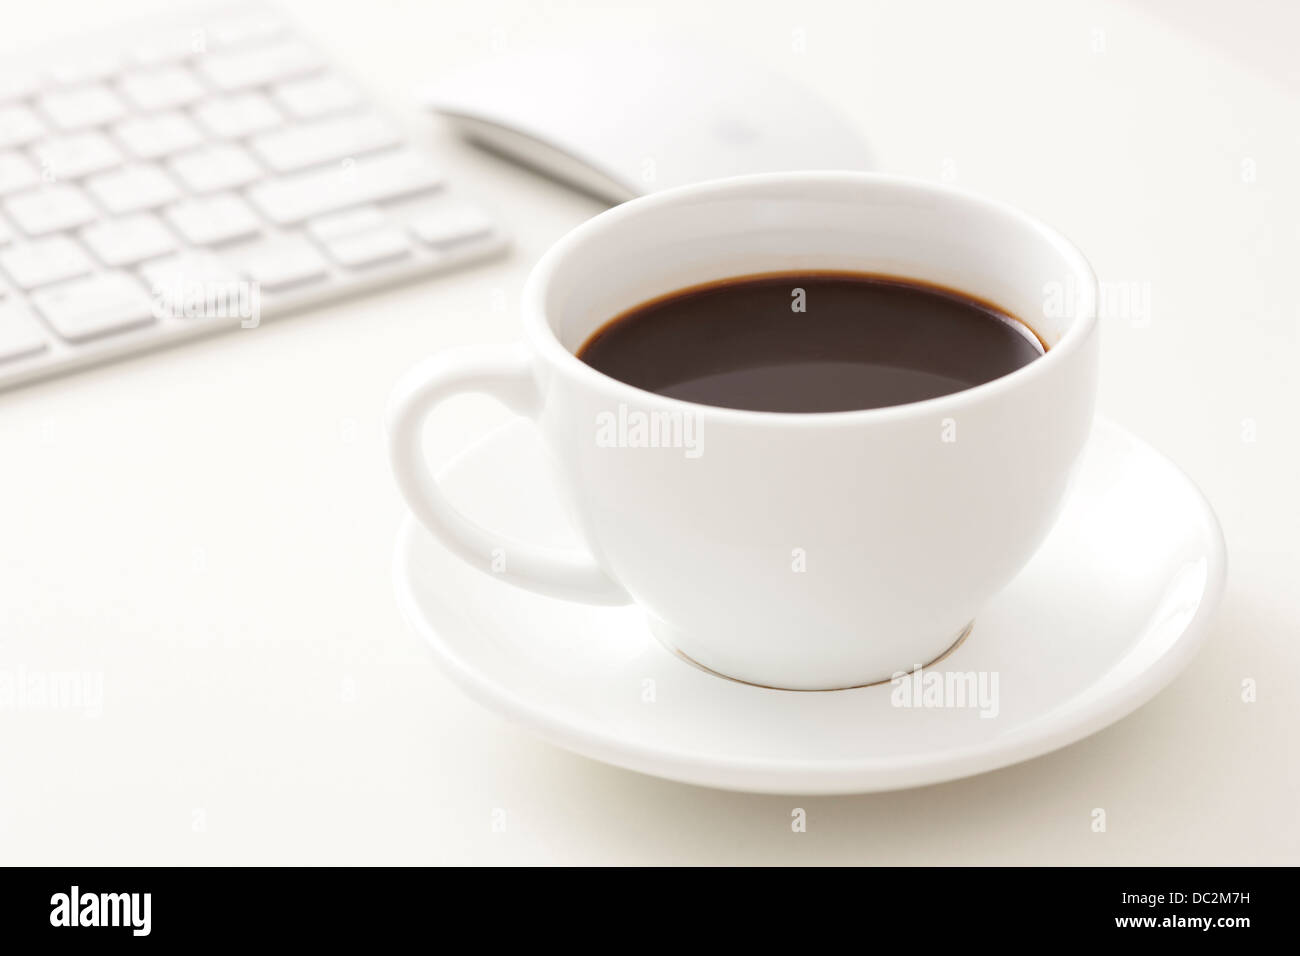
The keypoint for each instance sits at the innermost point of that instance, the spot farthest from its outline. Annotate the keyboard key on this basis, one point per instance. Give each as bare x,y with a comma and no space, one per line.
18,126
129,240
368,248
294,198
133,188
348,223
197,285
85,69
194,268
150,137
50,209
44,261
17,172
279,263
316,97
81,107
237,116
170,47
20,334
455,223
213,219
17,85
77,155
315,143
259,66
360,237
201,286
95,306
163,89
218,167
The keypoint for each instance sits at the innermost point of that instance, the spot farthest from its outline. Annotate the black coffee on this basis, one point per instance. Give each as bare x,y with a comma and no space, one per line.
819,342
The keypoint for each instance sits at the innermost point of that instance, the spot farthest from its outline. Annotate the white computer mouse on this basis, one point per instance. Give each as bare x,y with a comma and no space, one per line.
623,119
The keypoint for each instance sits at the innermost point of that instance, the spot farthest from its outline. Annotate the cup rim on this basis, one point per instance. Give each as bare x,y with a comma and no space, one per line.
542,336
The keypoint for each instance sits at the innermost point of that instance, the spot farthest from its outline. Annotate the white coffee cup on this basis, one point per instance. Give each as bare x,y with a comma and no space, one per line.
799,551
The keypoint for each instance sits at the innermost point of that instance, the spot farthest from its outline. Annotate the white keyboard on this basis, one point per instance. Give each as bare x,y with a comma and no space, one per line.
195,173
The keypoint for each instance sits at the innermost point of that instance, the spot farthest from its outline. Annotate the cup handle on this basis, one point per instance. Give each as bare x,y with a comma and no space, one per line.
504,373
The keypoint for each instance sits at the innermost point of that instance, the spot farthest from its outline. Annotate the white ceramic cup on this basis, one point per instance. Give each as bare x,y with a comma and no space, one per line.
799,551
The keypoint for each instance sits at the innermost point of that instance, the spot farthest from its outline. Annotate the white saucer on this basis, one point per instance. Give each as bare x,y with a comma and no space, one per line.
1105,615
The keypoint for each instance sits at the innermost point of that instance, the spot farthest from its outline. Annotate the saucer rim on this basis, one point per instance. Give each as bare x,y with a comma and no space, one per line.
1042,734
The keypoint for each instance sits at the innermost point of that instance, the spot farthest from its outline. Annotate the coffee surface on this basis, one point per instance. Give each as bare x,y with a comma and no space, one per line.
821,342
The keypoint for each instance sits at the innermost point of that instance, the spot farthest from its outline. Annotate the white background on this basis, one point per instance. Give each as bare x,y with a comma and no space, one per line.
212,527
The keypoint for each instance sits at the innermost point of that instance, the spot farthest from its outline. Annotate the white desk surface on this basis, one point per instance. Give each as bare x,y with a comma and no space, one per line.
212,527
